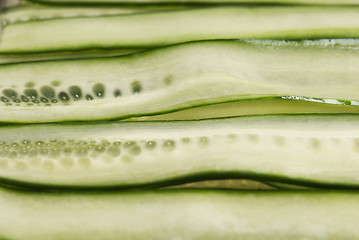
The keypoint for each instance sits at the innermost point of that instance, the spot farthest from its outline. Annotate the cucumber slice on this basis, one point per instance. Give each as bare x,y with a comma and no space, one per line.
250,107
310,2
34,12
163,28
178,77
179,215
318,150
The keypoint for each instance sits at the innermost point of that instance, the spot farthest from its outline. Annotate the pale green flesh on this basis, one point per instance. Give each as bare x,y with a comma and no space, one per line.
179,215
164,28
34,12
326,2
178,77
307,149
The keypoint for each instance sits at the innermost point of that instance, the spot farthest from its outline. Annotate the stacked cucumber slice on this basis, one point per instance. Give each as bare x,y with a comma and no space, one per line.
119,117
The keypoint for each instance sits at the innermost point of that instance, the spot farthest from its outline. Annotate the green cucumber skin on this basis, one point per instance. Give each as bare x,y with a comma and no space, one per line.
185,214
155,81
315,2
164,28
293,149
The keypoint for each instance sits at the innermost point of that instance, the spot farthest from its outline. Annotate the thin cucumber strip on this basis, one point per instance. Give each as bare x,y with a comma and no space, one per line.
179,77
163,28
314,150
34,12
179,214
250,107
309,2
66,55
240,184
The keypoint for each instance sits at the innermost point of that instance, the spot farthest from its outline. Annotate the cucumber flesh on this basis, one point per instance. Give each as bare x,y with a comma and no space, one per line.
310,2
163,28
34,12
318,150
178,77
185,215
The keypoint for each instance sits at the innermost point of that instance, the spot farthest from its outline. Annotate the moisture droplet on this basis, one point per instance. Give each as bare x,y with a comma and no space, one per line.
10,93
31,93
99,90
47,91
169,145
117,93
150,145
75,92
25,142
64,96
136,87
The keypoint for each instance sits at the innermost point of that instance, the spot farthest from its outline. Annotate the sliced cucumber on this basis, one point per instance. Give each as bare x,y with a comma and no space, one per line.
318,150
324,2
163,28
34,12
66,55
251,107
179,215
178,77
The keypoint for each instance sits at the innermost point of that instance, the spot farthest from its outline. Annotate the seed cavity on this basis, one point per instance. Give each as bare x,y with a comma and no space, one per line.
67,162
89,97
4,99
279,140
24,99
203,141
49,165
84,162
10,93
3,163
63,96
315,143
127,158
44,100
135,150
168,80
169,145
186,140
75,92
55,83
47,92
31,93
136,87
150,145
113,151
29,84
117,93
99,90
253,138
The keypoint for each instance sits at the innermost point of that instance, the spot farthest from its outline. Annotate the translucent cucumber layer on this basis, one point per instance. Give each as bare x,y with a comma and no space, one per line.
34,12
171,27
318,150
178,77
324,2
179,214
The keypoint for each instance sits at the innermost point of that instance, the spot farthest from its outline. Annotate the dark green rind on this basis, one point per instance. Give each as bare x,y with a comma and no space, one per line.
188,178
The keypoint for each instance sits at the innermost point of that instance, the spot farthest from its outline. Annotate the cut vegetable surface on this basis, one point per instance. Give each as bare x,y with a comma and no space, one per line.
179,77
163,28
179,215
304,149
